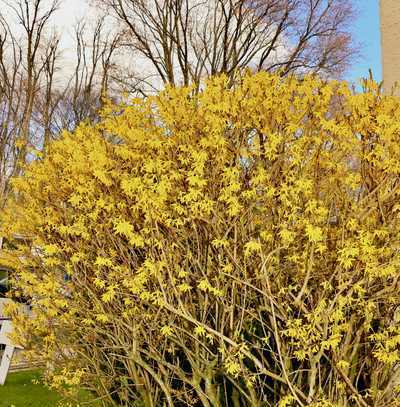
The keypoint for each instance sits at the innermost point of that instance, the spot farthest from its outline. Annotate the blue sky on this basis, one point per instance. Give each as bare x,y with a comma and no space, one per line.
366,32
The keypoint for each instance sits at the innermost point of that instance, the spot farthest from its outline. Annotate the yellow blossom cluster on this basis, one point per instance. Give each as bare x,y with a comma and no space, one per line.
233,247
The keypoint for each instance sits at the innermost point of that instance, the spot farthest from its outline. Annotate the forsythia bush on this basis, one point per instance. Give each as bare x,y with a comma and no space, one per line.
239,247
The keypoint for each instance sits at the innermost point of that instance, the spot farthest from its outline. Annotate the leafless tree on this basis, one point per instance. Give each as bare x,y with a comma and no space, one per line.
33,17
35,103
11,103
82,97
24,54
181,41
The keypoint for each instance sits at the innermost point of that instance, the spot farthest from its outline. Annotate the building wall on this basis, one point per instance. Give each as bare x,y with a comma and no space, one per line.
390,41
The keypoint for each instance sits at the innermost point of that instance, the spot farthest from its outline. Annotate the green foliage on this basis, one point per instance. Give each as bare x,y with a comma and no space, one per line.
235,248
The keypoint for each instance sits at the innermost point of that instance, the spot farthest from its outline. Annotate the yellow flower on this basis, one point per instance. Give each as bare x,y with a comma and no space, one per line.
166,330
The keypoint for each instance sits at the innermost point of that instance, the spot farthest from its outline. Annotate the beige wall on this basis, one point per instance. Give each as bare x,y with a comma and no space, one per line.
390,41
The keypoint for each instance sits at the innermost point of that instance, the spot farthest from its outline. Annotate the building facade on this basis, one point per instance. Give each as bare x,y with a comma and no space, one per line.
390,42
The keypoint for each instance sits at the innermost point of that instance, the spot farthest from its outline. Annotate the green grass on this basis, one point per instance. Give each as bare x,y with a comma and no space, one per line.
19,391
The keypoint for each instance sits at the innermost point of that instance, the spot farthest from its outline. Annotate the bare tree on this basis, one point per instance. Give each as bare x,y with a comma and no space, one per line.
47,99
82,97
181,41
25,52
33,16
11,103
36,103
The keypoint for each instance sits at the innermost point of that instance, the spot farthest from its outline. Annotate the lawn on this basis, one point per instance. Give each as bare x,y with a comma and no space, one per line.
19,391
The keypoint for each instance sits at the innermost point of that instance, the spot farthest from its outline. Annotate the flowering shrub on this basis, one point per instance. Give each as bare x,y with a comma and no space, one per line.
235,248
